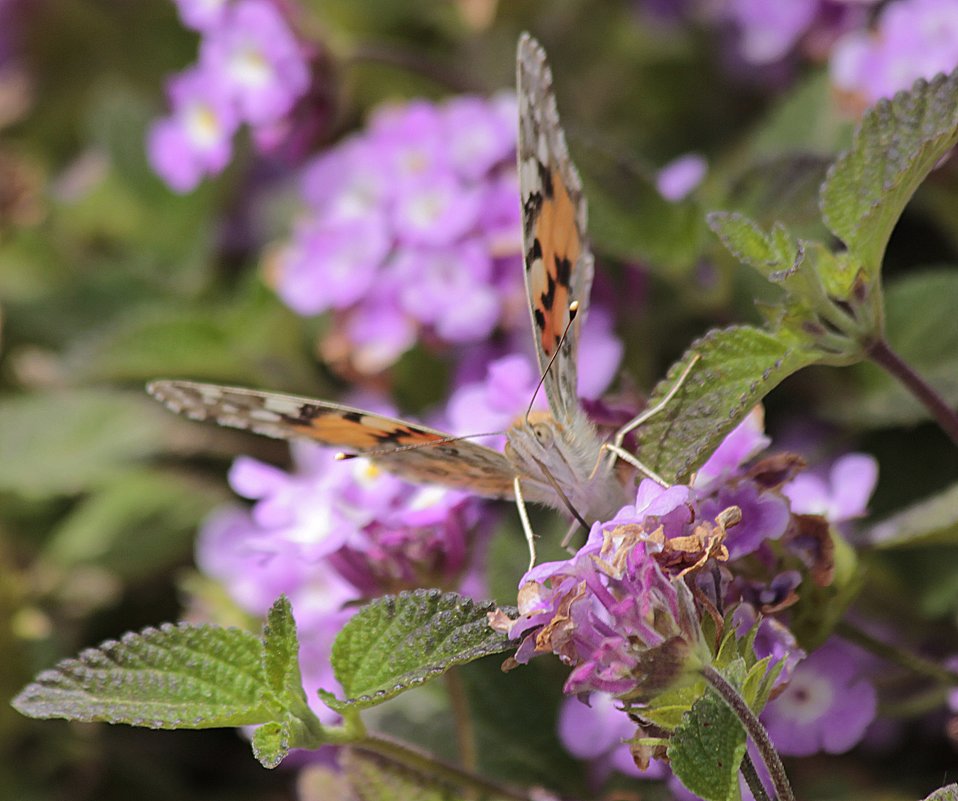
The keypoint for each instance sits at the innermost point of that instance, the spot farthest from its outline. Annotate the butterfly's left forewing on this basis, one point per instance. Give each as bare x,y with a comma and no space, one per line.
415,452
558,261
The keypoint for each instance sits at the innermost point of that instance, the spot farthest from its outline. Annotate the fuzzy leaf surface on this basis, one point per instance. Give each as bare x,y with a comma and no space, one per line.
737,367
271,743
707,749
401,641
897,145
171,677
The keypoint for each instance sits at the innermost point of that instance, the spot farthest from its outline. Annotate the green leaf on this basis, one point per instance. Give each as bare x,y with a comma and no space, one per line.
949,793
271,743
897,145
668,709
139,523
931,521
782,189
69,441
516,724
770,254
706,750
736,368
281,648
401,641
807,120
922,328
235,342
171,677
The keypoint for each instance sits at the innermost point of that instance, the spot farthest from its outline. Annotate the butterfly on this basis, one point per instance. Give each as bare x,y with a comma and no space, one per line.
555,458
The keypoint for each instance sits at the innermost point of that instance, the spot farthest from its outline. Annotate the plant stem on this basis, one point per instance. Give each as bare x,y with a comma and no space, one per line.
945,416
428,765
752,779
755,730
462,719
899,656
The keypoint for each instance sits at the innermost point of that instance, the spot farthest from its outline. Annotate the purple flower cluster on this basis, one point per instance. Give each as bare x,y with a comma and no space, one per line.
410,230
621,612
330,533
252,69
770,31
912,39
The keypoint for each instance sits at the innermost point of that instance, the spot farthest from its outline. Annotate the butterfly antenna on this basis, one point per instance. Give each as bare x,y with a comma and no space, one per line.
342,456
573,311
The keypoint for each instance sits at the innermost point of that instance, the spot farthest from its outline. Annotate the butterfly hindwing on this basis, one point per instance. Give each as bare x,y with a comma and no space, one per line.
459,464
558,262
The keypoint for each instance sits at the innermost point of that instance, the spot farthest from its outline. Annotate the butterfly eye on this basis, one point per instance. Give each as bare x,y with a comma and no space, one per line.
543,434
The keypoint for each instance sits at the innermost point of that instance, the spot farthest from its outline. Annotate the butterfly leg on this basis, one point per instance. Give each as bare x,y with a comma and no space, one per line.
615,447
576,525
524,519
649,413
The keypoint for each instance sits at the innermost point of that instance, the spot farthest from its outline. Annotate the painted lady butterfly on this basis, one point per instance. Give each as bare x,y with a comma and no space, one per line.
554,458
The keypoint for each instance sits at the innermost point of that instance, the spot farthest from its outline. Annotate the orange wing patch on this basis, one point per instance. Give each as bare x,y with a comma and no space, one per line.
357,430
555,250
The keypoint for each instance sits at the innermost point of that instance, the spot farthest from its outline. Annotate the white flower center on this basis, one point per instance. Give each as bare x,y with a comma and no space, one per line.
249,67
203,127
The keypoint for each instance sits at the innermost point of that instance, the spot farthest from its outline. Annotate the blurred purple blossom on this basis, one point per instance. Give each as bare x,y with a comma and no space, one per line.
595,730
767,33
258,60
912,39
202,15
679,178
251,69
435,188
196,139
843,496
827,705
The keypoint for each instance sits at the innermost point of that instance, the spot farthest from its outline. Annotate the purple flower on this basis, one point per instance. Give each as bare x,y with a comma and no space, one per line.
844,496
348,181
258,61
438,180
202,15
436,211
449,290
596,730
331,265
196,140
481,134
765,514
493,403
827,705
912,39
677,179
746,440
414,141
251,69
769,30
611,611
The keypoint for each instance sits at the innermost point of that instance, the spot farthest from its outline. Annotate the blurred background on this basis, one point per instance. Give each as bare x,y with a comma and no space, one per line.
229,191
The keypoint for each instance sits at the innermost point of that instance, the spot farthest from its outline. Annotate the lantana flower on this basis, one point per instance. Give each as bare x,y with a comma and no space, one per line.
423,205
